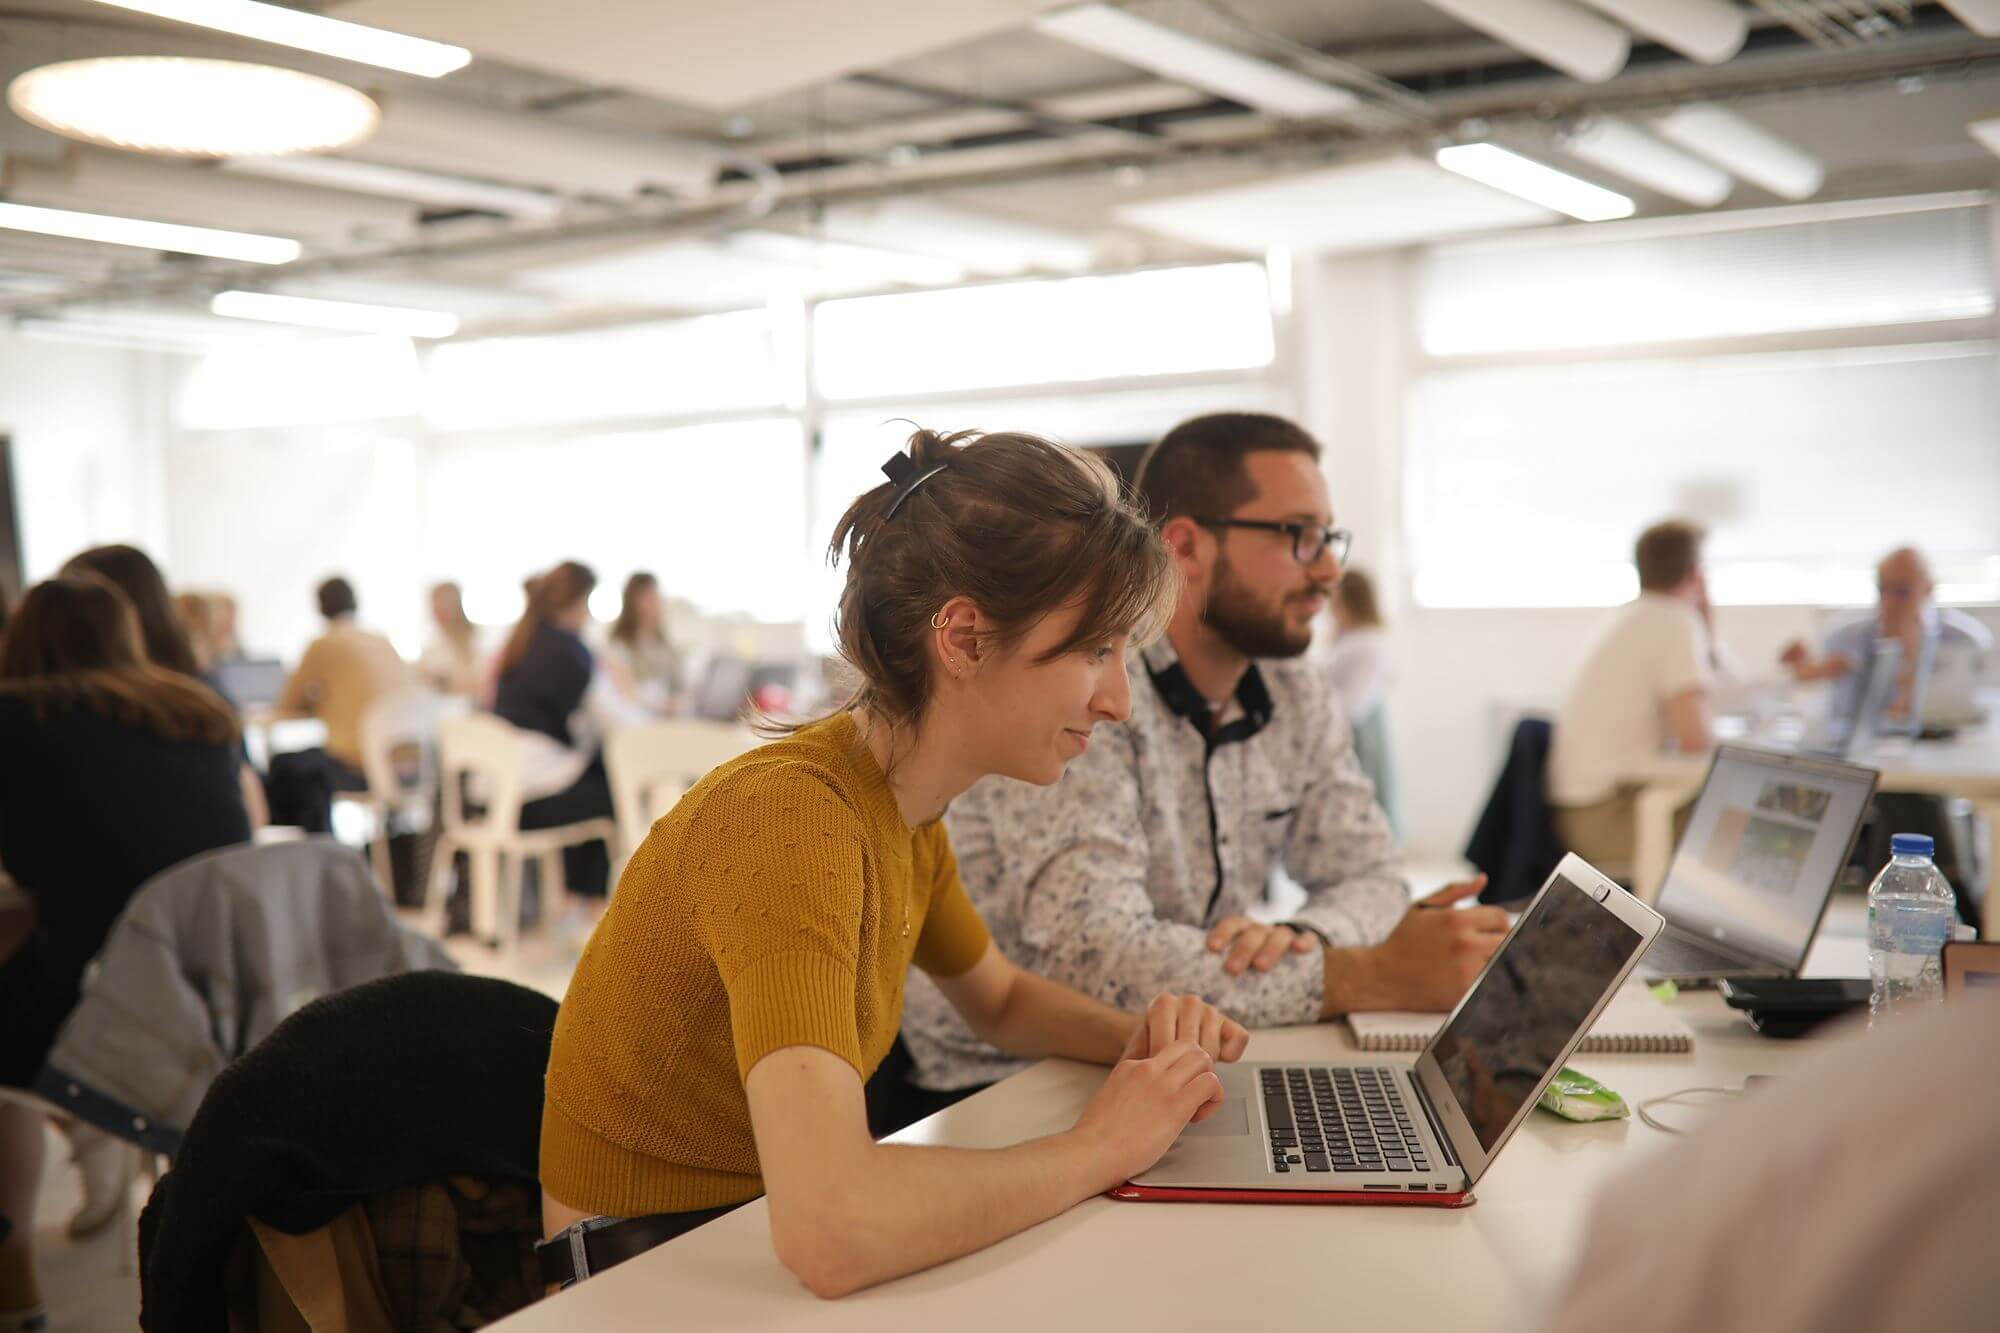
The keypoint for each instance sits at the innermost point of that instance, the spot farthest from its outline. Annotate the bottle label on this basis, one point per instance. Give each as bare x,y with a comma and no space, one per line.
1918,928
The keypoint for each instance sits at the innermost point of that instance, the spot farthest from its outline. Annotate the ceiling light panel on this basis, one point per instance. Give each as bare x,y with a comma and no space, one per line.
1622,148
211,242
282,26
1362,206
1528,179
1175,55
177,107
1561,36
1743,149
1710,31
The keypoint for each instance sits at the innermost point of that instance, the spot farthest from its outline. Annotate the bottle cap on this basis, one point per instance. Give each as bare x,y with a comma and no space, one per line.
1912,844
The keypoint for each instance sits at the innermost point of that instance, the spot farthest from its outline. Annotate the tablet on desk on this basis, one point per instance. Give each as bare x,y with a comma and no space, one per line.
1971,965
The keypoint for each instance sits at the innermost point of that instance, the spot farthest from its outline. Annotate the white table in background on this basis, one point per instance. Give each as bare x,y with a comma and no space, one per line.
1185,1266
1968,765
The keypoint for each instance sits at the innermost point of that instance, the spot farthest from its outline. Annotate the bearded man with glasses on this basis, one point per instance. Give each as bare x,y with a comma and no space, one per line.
1139,870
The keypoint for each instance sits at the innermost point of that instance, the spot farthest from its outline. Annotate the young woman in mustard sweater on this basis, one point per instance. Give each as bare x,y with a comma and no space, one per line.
748,976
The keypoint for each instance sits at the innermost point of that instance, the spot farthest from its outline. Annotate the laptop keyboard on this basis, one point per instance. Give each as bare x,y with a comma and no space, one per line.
1339,1119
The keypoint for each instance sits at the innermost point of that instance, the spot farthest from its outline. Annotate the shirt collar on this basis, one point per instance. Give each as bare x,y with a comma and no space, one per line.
1170,682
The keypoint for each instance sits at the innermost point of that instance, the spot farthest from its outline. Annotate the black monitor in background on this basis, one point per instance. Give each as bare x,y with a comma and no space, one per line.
10,531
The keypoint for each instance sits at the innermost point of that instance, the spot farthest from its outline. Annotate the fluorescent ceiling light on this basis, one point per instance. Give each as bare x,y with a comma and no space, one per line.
1982,16
1710,31
429,188
349,316
843,259
309,32
1620,147
1559,35
209,241
1744,150
192,108
1175,55
1491,165
1988,133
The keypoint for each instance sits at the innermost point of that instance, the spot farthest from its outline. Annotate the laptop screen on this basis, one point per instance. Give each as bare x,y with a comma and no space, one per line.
1512,1028
1762,850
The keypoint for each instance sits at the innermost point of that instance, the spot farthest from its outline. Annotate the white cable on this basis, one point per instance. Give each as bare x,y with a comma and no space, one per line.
1645,1113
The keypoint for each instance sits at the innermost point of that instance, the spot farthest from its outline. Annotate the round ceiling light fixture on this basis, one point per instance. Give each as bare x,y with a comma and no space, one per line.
179,107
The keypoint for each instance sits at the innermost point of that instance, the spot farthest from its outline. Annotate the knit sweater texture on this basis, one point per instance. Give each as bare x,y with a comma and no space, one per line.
780,903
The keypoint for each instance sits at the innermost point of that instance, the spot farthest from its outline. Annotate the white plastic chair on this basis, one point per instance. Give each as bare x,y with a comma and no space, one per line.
488,751
652,767
399,742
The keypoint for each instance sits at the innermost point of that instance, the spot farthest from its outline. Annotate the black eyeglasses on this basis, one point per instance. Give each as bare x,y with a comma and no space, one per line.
1308,539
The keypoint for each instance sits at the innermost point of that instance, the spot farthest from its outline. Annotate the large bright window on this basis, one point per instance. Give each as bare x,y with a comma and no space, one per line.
675,369
718,512
300,382
1526,485
1159,322
1630,284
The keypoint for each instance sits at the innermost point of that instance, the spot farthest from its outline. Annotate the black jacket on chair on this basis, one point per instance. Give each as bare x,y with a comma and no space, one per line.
1515,840
391,1083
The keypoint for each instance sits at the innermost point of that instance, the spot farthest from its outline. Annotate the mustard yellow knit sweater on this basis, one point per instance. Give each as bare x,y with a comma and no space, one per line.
779,904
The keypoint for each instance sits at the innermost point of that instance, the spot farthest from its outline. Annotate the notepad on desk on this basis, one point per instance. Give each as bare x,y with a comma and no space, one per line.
1634,1023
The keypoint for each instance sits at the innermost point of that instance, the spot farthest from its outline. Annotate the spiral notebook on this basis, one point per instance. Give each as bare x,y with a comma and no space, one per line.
1634,1023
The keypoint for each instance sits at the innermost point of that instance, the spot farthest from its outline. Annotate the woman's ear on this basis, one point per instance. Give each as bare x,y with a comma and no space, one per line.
960,634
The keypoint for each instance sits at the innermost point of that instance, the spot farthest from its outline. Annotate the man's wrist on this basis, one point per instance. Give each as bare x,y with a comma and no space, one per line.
1352,982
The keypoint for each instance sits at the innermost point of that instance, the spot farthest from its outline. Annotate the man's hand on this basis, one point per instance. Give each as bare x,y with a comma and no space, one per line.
1427,961
1254,944
1186,1018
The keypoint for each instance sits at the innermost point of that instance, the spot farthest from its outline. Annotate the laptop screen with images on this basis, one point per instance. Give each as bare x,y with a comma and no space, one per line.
1761,851
1512,1029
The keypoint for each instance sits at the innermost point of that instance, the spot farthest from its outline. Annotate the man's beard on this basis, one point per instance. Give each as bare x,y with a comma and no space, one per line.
1232,612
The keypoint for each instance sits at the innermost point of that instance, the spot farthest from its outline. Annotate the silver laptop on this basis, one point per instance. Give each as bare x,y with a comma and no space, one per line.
1354,1130
1752,874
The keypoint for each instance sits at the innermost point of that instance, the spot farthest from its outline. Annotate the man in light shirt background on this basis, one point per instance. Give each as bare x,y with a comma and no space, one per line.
1647,689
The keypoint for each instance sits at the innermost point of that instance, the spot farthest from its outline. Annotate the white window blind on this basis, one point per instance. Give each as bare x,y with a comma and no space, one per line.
1158,322
1575,291
1527,486
677,368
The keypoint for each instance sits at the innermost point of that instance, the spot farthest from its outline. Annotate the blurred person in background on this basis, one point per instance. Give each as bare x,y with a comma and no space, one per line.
112,769
1904,613
133,573
639,658
1358,667
452,660
545,676
196,612
342,674
1647,689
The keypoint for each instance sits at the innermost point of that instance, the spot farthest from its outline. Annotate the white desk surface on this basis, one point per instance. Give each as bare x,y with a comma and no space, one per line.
1172,1266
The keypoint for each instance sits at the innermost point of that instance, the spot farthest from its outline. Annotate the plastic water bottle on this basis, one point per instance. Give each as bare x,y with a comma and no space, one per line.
1910,916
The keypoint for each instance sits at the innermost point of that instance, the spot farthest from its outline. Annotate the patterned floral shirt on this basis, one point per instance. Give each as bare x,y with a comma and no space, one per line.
1109,880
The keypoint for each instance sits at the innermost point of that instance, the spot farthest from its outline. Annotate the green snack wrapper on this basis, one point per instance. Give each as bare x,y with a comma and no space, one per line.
1575,1096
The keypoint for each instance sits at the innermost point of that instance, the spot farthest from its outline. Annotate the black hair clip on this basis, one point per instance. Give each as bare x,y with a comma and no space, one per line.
902,470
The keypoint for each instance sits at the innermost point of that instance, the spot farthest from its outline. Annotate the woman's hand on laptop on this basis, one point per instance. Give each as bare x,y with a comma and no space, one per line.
1143,1107
1427,961
1185,1018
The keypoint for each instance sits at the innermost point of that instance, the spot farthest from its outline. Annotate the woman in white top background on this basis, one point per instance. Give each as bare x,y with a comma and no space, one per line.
638,656
452,662
1358,668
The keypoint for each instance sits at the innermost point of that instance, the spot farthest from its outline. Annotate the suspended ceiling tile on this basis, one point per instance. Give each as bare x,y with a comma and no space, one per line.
1367,206
699,52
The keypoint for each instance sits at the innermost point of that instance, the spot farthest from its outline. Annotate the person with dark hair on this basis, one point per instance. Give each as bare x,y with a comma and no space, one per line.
638,656
1140,870
545,676
343,673
1647,688
747,978
112,768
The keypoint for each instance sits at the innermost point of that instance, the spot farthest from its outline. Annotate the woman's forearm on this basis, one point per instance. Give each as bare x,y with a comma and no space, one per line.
1045,1018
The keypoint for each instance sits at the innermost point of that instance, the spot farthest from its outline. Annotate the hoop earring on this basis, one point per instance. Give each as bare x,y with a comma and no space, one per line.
940,620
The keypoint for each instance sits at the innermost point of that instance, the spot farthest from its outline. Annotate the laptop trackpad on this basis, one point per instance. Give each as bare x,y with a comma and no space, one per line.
1233,1117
